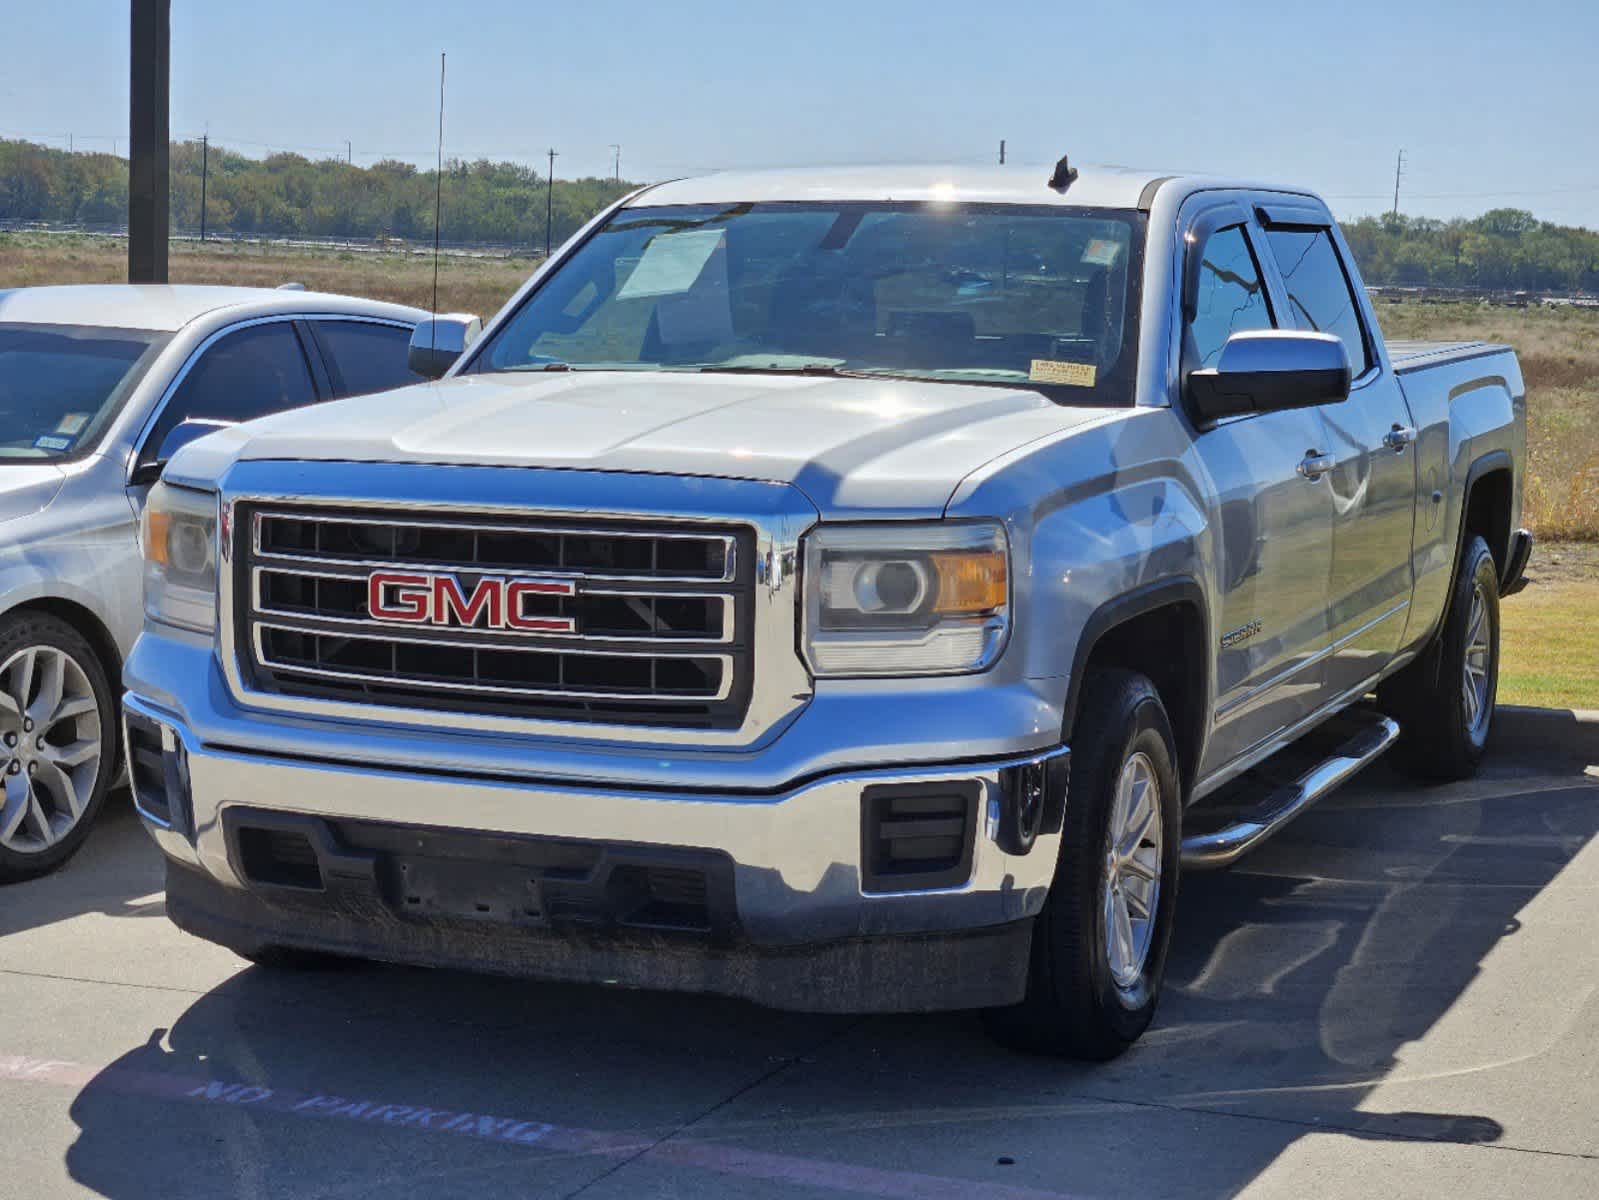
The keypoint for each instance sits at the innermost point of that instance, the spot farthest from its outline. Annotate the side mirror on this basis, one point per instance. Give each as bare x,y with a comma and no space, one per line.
192,429
1267,370
438,341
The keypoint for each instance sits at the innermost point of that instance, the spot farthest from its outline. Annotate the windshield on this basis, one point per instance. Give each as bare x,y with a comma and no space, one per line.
61,384
1035,296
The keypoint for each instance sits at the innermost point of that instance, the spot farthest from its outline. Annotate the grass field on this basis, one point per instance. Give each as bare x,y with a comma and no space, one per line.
1550,649
1551,640
476,285
1559,353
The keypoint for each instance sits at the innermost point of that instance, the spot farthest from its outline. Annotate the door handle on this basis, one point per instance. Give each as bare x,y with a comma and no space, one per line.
1397,438
1313,466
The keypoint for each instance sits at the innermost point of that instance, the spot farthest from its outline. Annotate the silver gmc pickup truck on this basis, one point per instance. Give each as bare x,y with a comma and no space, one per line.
851,590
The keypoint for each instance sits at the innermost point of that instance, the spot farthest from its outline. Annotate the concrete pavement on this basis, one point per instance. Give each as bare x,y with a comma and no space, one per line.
1400,995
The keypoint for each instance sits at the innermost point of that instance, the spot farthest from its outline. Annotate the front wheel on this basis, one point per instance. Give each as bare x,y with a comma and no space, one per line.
57,742
1099,947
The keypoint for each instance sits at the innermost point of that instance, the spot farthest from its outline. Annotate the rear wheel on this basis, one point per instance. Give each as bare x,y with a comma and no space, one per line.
1099,947
1444,701
57,742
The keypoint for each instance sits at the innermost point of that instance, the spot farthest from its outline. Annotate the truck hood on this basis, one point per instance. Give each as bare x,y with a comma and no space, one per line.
26,487
888,447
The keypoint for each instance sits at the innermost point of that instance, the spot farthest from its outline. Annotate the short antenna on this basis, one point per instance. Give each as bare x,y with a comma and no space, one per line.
1064,175
438,203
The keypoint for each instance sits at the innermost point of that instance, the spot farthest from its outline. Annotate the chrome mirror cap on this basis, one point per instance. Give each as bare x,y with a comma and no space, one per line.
439,341
1267,370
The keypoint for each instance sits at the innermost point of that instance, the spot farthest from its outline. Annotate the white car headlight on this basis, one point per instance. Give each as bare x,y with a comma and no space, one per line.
179,537
906,598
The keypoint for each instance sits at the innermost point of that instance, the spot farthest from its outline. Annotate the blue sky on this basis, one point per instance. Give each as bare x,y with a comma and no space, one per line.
1495,103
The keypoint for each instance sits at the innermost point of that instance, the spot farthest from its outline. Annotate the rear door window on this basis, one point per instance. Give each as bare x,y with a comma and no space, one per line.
1231,297
254,372
1319,295
364,357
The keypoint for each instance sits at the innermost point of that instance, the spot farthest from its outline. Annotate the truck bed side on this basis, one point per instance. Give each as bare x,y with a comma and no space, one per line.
1468,403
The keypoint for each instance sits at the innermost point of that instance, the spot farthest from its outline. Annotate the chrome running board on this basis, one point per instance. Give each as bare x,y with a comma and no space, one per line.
1225,846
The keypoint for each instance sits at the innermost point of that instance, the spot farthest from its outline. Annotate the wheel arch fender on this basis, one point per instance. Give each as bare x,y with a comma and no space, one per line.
1182,680
78,612
1485,468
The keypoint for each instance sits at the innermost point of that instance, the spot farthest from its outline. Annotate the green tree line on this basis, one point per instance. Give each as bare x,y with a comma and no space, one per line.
287,194
1503,248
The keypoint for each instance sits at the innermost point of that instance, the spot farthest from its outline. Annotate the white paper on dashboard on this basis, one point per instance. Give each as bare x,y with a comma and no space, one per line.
671,263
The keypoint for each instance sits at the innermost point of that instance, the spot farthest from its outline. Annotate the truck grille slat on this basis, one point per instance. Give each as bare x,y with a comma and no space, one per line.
656,628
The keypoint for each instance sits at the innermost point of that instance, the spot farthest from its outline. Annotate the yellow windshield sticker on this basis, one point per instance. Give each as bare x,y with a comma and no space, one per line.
1048,370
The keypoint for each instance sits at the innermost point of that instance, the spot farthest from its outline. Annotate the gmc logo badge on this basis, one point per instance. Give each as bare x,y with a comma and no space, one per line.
440,600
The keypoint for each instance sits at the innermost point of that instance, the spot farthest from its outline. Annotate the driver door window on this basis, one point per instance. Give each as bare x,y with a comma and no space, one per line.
254,372
1231,297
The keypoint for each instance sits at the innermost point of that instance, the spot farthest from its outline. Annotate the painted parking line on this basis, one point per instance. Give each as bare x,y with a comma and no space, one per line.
423,1119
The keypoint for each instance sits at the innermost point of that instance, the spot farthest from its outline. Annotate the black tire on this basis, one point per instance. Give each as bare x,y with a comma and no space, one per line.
18,632
1440,737
1074,1005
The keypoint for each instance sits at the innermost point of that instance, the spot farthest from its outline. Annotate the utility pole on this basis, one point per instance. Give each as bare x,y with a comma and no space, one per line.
1002,152
349,153
205,170
69,144
149,127
549,204
617,173
1399,169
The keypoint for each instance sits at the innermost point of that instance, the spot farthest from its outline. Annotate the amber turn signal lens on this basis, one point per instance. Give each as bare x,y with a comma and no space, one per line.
157,529
970,582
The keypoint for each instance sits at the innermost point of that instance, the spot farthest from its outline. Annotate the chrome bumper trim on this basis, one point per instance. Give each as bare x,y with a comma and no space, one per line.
797,854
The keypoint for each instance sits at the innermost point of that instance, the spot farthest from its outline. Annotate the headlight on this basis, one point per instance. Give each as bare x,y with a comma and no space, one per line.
179,536
906,599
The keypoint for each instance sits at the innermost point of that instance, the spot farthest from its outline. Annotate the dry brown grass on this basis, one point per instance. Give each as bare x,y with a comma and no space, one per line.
465,284
1559,354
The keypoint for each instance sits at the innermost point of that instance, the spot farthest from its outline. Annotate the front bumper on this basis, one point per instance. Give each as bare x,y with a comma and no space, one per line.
809,921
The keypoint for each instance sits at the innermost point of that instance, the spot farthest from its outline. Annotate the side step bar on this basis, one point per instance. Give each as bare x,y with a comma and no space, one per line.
1223,847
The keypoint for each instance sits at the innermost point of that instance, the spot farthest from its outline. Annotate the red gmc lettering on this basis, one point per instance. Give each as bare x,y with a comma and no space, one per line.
448,602
392,597
515,618
440,600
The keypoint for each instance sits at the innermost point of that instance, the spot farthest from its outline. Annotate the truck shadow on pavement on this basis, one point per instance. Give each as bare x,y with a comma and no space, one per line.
1300,984
117,874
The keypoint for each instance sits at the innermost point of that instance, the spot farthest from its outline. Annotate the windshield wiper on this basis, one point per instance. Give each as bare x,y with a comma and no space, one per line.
528,367
816,368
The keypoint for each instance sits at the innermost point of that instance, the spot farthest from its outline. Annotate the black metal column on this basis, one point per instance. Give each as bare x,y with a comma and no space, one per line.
148,152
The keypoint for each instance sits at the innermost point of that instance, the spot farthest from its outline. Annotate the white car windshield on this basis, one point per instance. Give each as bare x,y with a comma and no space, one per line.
1003,294
61,384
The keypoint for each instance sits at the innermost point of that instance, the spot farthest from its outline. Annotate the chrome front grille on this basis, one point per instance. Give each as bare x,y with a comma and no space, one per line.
616,622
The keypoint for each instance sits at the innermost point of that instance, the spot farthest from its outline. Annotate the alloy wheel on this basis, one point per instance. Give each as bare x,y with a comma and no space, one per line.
1130,887
50,747
1475,681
